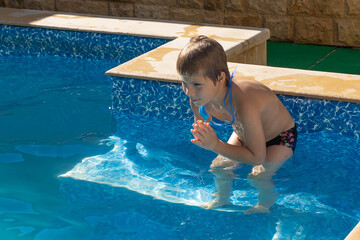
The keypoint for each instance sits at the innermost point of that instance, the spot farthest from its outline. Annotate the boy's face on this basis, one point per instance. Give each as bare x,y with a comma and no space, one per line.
199,89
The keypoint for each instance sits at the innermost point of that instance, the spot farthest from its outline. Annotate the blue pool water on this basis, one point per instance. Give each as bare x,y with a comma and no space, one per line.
72,166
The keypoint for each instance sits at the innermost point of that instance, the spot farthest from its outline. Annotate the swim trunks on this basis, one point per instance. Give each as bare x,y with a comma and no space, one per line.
287,139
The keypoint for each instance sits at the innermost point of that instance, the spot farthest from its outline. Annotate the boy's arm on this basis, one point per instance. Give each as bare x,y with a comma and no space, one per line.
253,153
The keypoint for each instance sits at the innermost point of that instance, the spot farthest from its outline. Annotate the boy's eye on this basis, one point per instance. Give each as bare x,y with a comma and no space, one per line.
197,84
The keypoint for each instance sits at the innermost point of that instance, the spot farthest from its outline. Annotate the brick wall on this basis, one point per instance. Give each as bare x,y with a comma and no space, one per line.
324,22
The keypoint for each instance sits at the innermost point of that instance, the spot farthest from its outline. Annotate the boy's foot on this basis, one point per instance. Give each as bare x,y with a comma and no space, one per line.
257,209
216,203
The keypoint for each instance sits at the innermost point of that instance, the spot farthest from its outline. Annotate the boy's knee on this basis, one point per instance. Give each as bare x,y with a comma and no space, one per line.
259,172
223,163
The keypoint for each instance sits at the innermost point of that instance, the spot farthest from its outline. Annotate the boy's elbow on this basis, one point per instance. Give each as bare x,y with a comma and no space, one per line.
256,158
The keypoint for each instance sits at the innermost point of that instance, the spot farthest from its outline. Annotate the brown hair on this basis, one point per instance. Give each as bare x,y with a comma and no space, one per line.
203,55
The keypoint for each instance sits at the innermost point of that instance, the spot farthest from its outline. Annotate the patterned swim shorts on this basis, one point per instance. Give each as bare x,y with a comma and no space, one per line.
287,139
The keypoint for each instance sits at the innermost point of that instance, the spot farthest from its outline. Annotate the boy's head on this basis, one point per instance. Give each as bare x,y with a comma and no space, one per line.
203,56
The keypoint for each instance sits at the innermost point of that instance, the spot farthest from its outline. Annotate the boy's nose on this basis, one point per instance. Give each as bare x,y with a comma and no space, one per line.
188,92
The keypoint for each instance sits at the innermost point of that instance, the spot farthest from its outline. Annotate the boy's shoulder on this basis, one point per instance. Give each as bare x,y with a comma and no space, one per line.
249,92
246,85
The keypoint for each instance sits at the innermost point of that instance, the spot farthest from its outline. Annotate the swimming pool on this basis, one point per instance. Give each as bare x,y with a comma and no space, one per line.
145,180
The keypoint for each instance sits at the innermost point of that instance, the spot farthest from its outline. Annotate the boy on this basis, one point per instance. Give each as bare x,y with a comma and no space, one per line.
264,131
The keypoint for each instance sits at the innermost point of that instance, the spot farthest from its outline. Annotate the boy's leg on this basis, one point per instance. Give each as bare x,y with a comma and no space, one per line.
223,177
261,177
223,183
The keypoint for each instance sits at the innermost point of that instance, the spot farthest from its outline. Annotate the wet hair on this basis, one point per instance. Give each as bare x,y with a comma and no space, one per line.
203,56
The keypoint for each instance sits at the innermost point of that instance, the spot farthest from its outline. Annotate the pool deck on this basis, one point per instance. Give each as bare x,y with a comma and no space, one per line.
244,46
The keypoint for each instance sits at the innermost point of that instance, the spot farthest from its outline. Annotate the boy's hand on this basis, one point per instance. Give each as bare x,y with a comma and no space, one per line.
205,135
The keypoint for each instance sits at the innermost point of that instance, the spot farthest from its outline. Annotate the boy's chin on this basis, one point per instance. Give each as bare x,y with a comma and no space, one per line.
198,103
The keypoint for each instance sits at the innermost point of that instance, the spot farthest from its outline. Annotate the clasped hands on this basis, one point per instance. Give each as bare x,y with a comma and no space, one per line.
204,135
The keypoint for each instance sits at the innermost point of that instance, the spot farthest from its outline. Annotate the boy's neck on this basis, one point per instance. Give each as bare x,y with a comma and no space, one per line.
218,101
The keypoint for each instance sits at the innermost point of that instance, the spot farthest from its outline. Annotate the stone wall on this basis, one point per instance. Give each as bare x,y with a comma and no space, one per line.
324,22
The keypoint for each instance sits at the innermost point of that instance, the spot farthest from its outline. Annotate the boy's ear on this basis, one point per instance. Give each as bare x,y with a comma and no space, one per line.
222,77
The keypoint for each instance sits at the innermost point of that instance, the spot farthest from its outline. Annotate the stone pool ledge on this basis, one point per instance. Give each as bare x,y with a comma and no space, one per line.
242,45
296,82
305,83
